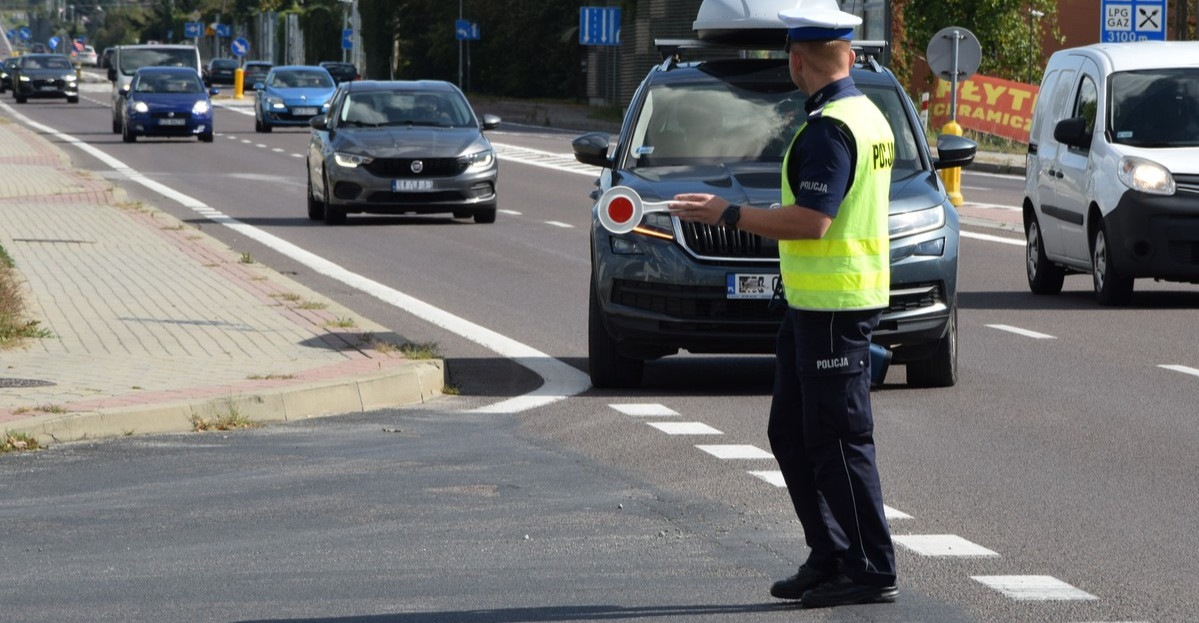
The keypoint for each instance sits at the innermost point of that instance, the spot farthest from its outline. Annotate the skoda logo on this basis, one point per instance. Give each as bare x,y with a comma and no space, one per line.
417,166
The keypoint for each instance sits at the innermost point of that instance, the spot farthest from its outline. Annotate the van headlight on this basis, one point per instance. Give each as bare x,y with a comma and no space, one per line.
916,221
1145,175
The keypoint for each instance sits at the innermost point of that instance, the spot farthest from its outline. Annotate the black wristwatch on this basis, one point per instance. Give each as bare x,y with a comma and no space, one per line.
731,215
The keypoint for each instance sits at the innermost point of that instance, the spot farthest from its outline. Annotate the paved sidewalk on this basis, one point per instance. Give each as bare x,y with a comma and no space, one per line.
152,323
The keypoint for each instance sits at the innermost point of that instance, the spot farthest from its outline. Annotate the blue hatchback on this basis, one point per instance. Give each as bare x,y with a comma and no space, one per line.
167,101
291,95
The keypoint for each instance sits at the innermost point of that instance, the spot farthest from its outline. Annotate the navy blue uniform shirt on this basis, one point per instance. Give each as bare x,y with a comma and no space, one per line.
822,159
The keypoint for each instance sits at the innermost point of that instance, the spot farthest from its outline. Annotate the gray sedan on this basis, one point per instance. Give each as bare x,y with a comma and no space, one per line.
401,147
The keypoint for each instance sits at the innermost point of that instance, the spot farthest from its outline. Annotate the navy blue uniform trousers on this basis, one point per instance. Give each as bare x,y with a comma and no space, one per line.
822,434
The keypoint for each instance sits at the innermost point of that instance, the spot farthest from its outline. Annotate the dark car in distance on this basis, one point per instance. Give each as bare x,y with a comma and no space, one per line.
341,72
7,68
220,71
401,147
254,72
44,75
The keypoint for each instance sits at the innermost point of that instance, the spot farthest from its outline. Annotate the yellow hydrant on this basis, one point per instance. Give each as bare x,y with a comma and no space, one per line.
953,177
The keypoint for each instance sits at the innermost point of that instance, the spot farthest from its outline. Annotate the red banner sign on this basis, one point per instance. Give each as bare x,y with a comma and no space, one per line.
988,105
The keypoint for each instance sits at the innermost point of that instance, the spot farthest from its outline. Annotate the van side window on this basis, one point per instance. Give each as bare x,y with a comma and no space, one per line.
1087,103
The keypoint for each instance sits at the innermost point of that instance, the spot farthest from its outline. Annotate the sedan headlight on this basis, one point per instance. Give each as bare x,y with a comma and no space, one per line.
141,107
23,79
1145,175
916,221
350,161
201,107
480,160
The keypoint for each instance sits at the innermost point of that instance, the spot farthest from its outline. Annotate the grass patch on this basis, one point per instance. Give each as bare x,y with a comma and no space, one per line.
246,258
14,326
342,323
18,442
230,420
311,305
287,296
427,350
271,377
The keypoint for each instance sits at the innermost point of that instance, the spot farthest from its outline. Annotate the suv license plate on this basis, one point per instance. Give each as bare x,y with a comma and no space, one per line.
750,285
300,112
411,185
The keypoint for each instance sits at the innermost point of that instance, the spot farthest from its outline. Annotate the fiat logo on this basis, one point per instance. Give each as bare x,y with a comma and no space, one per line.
417,166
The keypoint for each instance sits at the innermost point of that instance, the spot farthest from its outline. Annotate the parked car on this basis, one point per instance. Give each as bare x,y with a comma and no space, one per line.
341,72
87,56
290,95
220,71
45,75
128,59
254,72
722,123
401,148
167,101
1112,179
7,68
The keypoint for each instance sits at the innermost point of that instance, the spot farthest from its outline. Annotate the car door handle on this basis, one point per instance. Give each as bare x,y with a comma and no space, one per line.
1057,174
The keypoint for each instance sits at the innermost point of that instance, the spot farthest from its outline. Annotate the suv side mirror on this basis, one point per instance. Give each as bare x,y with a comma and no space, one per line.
318,123
592,149
1072,132
491,122
954,151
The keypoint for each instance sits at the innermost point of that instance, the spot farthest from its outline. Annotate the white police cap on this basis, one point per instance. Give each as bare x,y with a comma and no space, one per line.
818,20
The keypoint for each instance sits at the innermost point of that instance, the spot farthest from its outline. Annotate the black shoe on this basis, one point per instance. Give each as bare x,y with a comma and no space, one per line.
806,579
842,591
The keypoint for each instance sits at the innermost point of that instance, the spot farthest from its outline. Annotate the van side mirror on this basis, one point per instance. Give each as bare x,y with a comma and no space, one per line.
1073,132
954,151
592,149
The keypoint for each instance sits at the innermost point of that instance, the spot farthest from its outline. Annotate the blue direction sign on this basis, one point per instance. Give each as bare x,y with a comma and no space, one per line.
1132,20
25,33
347,39
193,30
53,42
466,30
223,30
239,47
599,25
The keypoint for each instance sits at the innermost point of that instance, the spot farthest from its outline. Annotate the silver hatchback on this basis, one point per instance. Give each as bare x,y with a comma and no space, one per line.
401,147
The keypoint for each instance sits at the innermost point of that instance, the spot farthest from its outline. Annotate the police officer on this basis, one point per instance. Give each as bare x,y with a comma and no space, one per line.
834,258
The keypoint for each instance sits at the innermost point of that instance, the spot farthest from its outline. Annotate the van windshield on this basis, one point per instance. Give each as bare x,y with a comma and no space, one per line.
719,123
1155,108
133,59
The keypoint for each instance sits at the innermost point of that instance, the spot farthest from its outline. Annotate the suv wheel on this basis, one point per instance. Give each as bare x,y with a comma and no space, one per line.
1044,277
609,369
940,370
1111,288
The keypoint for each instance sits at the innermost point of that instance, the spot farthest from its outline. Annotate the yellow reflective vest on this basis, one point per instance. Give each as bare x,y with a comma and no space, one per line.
849,268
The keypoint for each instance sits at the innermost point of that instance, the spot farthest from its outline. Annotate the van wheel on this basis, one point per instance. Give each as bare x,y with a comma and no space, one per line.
608,368
940,370
1044,277
1111,288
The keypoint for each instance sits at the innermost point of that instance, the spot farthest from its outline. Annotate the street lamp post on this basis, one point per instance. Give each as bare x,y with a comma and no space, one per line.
1038,15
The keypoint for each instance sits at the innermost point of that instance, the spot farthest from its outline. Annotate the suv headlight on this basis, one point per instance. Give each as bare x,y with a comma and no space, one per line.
1145,175
916,221
350,161
479,159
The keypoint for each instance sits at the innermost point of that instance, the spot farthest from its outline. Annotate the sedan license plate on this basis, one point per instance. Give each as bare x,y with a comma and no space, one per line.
172,122
750,285
411,185
300,112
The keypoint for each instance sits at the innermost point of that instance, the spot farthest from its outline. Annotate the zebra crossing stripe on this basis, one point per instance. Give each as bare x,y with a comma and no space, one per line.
942,545
1033,587
644,409
685,428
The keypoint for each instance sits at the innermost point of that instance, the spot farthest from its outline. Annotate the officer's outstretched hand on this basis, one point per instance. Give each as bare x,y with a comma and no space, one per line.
700,207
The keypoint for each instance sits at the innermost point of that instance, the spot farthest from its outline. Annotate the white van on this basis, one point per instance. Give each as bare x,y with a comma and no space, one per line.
127,59
1112,181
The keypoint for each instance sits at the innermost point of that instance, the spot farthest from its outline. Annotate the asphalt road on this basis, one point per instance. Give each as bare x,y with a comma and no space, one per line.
1064,459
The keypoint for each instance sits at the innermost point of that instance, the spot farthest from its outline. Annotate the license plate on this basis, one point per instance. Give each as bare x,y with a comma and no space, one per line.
411,185
300,112
48,87
750,285
172,122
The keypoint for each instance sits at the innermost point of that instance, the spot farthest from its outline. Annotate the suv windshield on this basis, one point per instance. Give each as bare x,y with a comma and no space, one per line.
134,59
721,123
1155,108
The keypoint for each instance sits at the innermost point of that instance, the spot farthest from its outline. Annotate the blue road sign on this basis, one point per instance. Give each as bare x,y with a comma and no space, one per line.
25,33
224,30
239,47
599,25
193,30
53,42
466,30
347,39
1132,20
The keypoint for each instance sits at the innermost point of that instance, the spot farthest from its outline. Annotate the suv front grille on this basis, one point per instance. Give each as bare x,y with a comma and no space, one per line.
915,297
715,241
697,303
430,167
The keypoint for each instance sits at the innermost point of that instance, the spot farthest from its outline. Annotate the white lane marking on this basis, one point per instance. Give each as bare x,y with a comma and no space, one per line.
1033,587
512,212
991,206
560,224
775,478
643,409
1183,369
736,451
560,380
685,428
989,238
544,159
1024,332
277,150
942,545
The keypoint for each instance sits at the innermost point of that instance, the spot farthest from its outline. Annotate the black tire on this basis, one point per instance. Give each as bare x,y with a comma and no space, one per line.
940,370
126,135
116,125
206,137
72,100
1111,287
608,368
485,215
20,100
1044,277
333,216
316,209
